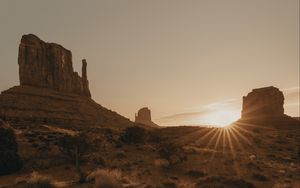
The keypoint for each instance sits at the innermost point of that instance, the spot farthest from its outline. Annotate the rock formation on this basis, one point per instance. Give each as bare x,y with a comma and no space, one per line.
49,65
264,106
50,92
267,101
144,117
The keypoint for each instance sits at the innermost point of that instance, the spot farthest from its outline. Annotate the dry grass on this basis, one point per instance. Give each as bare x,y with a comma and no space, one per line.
39,181
105,178
161,163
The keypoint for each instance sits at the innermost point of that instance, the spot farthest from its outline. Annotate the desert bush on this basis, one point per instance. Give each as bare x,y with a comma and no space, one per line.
105,178
167,150
223,181
10,162
195,173
173,153
259,177
168,184
256,130
120,155
154,137
134,135
257,140
161,163
9,158
39,181
97,160
74,147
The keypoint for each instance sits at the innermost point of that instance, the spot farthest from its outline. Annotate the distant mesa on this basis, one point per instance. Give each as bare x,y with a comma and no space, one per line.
50,92
143,116
265,106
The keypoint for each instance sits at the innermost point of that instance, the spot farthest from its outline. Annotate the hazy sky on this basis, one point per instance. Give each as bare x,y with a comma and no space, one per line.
188,61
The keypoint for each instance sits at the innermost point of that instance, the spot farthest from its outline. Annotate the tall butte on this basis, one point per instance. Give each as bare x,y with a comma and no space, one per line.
265,106
49,65
143,116
50,92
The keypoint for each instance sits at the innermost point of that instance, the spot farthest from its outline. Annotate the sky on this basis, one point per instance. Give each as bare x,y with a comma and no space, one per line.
189,61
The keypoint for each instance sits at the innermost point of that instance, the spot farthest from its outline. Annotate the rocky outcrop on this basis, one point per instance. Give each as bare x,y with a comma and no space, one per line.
267,101
49,65
50,92
264,106
144,117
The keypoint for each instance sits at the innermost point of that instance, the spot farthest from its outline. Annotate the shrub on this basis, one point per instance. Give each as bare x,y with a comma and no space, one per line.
106,178
120,155
195,173
259,177
74,147
161,163
10,162
173,153
97,160
9,159
154,137
134,135
224,182
39,181
168,184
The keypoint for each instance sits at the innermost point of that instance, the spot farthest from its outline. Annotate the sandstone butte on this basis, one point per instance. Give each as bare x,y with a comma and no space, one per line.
265,106
50,92
143,116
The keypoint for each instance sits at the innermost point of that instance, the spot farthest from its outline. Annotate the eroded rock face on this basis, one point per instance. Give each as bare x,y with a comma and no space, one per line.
262,102
144,117
49,65
50,92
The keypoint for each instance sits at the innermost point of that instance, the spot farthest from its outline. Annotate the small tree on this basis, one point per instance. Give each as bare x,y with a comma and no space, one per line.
74,147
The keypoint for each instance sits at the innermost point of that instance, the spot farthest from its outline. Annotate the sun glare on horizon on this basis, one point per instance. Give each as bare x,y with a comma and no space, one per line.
220,117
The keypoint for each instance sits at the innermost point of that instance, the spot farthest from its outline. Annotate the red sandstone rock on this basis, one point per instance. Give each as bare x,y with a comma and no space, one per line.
264,106
49,65
50,92
267,101
144,117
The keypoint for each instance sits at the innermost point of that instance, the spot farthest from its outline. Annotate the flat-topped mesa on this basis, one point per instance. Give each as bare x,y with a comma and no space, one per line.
49,65
263,102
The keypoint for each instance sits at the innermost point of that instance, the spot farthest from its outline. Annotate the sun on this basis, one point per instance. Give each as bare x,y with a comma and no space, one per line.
220,117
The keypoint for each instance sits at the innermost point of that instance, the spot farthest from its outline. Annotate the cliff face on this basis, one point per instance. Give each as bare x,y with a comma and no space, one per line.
267,101
50,92
49,65
264,106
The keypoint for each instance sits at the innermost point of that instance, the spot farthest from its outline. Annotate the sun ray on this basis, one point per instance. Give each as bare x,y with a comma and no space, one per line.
236,139
205,136
242,136
191,137
243,130
232,150
216,145
213,137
